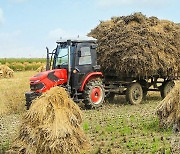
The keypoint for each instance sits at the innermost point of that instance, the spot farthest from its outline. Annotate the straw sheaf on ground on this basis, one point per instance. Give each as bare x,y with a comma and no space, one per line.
169,109
42,68
52,125
138,46
5,72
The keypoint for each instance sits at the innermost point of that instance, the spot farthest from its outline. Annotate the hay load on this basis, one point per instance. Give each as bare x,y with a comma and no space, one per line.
138,46
52,125
169,109
6,72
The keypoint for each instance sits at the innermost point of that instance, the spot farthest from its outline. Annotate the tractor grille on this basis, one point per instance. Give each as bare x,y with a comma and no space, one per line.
38,86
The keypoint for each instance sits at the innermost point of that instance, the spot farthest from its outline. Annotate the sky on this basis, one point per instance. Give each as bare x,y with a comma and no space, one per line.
28,26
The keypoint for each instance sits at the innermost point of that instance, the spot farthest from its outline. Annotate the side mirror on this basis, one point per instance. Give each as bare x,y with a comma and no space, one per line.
79,53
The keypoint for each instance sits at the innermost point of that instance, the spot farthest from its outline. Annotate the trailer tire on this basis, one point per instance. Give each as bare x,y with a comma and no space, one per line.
166,88
94,93
145,87
134,93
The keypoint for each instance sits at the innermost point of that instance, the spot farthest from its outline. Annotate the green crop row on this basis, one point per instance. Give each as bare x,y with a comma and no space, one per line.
23,64
21,60
21,67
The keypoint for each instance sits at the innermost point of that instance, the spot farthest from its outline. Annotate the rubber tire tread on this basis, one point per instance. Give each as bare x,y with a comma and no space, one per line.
88,87
129,91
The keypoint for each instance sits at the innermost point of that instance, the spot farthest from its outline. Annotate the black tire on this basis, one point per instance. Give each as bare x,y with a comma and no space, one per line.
28,105
145,87
94,93
134,93
166,88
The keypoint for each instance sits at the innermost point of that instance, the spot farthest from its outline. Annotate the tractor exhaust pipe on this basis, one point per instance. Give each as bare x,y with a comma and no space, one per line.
47,60
69,64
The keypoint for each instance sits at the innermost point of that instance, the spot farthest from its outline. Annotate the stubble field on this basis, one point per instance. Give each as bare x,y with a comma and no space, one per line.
117,127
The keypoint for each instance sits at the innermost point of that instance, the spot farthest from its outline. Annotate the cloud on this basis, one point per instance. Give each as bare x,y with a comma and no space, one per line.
136,3
1,16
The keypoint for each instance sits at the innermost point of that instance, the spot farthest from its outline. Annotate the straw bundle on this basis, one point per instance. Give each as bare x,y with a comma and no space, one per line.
169,109
42,68
5,72
51,126
138,46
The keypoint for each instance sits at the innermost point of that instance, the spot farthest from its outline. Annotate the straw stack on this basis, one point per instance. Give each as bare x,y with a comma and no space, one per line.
51,126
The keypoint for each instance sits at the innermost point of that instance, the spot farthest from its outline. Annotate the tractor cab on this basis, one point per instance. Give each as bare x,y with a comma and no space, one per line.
78,57
73,64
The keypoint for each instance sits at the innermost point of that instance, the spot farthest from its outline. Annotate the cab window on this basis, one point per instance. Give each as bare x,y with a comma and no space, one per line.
85,57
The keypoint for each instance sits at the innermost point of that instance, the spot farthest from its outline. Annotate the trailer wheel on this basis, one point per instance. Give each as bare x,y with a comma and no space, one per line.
94,93
145,87
166,88
134,93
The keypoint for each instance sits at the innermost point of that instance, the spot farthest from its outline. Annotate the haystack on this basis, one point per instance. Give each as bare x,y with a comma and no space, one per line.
5,72
138,46
42,68
51,126
169,109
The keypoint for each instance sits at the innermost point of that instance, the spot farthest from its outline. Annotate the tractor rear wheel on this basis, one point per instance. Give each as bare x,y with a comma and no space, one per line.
166,88
134,93
94,93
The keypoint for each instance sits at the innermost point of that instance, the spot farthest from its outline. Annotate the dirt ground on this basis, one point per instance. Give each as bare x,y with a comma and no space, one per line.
117,127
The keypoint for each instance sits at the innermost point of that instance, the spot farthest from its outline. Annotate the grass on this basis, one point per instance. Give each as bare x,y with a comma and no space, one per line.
117,127
4,147
120,128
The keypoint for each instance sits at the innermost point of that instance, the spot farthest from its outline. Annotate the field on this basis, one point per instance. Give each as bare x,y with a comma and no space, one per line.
23,64
117,127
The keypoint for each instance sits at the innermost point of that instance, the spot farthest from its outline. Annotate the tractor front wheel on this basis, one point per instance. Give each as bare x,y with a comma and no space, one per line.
94,93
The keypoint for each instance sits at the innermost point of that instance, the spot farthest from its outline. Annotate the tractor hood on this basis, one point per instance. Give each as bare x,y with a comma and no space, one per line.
45,80
40,76
55,74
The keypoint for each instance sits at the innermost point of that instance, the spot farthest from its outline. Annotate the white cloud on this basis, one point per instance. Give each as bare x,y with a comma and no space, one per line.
136,3
1,16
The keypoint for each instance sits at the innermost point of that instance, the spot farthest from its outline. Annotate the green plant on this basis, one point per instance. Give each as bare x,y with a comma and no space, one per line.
86,126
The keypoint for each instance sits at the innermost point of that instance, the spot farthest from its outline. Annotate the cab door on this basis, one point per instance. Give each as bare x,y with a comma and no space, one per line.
85,59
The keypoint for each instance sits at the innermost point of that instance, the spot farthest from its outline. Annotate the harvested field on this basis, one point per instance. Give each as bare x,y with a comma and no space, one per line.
12,92
169,109
117,127
138,46
52,125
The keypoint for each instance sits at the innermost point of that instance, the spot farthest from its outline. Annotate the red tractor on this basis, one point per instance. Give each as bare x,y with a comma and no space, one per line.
74,66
